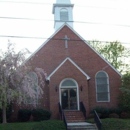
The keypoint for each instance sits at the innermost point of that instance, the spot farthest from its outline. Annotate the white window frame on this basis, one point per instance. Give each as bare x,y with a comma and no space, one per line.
108,88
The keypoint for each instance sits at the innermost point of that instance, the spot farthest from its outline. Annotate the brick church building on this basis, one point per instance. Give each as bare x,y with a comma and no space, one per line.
76,72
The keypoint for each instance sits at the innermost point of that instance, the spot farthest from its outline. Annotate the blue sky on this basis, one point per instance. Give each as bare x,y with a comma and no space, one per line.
106,20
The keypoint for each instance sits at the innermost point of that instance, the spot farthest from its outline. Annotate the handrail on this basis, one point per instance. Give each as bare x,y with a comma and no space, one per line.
64,119
82,108
60,110
62,115
97,120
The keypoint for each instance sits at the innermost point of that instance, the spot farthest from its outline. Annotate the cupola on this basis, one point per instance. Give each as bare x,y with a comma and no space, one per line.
63,13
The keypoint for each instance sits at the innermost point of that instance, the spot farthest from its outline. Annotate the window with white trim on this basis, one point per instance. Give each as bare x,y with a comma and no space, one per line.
64,15
68,82
102,87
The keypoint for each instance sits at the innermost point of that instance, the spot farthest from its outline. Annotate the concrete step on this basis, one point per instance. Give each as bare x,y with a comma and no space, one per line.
81,126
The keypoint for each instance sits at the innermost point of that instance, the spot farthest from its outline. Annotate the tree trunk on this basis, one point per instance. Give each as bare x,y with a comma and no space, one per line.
4,113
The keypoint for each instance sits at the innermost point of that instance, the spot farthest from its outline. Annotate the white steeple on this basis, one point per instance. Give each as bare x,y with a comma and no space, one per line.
63,13
63,2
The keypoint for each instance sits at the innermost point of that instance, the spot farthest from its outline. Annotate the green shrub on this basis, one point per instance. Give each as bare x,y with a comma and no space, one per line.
41,114
24,115
91,115
0,115
99,114
113,115
124,115
115,110
124,101
124,98
104,112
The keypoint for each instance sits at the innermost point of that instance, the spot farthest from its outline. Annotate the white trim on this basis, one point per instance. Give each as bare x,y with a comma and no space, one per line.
69,87
81,39
48,78
107,88
94,50
45,42
61,5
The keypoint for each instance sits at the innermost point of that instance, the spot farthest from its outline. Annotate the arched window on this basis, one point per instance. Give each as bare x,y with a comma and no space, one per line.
102,87
68,82
64,15
34,82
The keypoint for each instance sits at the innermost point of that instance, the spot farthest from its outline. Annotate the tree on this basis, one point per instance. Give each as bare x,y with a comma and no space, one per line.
124,99
114,52
15,81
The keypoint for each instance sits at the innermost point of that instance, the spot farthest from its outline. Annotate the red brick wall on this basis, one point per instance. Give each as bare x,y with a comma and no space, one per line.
54,52
68,70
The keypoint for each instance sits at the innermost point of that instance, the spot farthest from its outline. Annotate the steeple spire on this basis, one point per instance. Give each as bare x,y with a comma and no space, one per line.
63,13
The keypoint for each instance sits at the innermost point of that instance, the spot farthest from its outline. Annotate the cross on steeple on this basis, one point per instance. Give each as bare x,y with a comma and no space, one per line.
66,41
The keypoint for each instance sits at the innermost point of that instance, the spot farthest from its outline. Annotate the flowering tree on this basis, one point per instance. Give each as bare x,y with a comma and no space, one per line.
16,82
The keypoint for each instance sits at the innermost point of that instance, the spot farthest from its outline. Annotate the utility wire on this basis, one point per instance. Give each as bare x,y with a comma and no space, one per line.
102,23
18,18
39,3
27,37
33,19
20,2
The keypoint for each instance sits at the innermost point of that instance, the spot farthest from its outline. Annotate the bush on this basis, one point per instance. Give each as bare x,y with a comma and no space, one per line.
124,98
41,114
124,115
99,114
24,115
104,112
115,110
91,115
8,112
124,101
113,115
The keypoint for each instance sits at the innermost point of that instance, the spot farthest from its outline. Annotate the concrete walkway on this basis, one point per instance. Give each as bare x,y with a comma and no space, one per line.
81,126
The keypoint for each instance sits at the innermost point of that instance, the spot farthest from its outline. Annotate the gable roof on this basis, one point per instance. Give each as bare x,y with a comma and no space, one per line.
48,78
65,24
46,41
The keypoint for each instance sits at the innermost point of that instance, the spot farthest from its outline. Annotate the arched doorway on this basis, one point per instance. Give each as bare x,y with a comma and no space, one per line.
69,97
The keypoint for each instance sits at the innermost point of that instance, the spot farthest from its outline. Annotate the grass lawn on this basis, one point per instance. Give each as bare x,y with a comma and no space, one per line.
115,124
108,124
44,125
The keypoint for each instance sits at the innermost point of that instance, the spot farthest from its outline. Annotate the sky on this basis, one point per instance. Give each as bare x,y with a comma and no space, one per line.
104,20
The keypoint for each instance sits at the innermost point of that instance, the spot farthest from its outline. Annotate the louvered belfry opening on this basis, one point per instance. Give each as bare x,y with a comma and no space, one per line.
64,15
